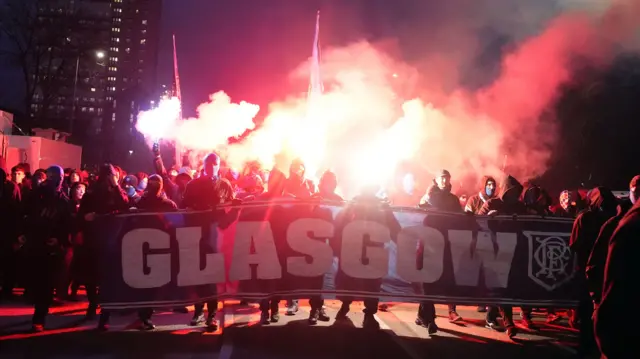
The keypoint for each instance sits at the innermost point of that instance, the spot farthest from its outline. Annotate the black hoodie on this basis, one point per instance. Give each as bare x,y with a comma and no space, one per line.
620,291
508,202
602,206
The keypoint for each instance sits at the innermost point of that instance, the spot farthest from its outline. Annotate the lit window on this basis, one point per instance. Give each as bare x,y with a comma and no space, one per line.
115,29
141,61
143,41
93,99
117,19
99,110
113,59
113,69
84,109
144,22
115,49
93,89
91,109
144,31
113,117
127,50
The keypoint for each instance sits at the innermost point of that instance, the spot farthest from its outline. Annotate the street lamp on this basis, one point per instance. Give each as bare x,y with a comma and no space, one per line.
99,54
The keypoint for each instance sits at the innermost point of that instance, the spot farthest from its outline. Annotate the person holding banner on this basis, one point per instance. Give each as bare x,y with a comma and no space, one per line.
507,203
205,193
103,198
365,207
438,197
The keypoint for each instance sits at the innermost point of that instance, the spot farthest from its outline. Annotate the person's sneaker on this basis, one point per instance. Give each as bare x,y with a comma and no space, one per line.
454,317
420,322
322,315
147,325
482,309
370,322
342,313
552,318
432,328
292,309
182,310
37,328
212,323
512,331
275,317
197,320
264,318
313,317
492,325
383,307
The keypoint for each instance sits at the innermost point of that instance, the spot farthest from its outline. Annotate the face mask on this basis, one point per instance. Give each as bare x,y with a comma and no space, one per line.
489,191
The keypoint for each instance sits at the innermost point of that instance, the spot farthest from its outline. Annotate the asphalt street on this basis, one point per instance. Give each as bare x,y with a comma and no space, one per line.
242,337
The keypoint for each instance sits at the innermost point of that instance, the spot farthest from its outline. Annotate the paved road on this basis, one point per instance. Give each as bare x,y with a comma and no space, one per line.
241,337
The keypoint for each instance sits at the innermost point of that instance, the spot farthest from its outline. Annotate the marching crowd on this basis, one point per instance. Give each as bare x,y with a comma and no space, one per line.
45,219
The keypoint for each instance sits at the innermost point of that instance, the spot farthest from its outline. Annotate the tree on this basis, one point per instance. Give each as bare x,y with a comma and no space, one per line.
42,37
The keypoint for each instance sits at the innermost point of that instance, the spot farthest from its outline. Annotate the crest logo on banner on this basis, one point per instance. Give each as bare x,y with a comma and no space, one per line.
551,262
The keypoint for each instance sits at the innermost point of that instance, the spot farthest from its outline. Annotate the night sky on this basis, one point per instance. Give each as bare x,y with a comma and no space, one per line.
248,47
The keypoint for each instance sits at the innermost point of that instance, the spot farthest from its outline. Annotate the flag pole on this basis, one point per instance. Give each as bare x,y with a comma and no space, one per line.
177,93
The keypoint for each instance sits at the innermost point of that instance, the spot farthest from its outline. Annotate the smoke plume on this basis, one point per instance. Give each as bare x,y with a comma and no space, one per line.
369,122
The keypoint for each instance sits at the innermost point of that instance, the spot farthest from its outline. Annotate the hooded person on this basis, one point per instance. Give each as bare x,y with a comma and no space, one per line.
508,200
439,195
104,197
620,290
597,259
11,209
297,184
488,190
536,200
154,198
602,206
47,232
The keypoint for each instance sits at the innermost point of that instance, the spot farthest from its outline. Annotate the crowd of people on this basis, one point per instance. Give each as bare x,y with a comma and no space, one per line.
46,248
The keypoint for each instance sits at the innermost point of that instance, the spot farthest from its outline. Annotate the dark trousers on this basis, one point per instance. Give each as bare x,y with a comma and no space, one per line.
63,281
427,311
316,302
212,307
507,314
370,305
43,283
587,342
270,304
9,271
92,296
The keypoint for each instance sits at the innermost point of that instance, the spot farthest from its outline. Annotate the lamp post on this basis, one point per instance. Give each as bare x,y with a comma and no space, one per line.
99,54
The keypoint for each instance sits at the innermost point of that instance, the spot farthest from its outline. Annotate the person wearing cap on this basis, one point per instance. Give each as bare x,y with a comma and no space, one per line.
438,197
130,186
598,256
207,192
